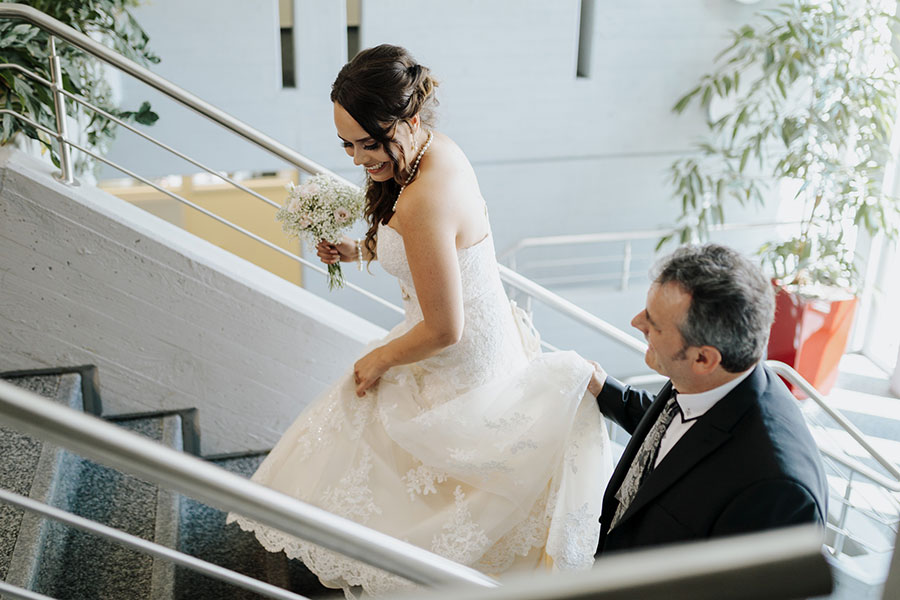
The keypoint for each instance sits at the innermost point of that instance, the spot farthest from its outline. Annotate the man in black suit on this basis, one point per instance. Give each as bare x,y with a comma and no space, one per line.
723,448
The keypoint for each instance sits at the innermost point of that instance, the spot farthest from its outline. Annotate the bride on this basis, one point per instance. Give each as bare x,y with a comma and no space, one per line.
454,432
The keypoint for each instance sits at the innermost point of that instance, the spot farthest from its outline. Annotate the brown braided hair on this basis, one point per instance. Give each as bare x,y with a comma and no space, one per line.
381,88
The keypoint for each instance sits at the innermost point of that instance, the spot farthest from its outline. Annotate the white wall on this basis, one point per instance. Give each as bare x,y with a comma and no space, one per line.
554,153
170,320
542,140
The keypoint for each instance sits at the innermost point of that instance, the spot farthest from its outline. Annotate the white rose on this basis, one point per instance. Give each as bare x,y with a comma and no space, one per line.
294,205
341,215
303,222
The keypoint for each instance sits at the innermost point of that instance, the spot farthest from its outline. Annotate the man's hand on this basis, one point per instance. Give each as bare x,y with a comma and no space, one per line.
598,379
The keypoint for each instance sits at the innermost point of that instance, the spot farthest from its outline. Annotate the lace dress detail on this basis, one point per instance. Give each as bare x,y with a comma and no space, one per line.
489,453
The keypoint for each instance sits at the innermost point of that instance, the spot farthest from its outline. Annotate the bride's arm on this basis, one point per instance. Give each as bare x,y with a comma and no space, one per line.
429,235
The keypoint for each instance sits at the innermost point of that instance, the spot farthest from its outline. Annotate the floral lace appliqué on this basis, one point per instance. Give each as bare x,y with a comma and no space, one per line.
461,539
516,422
353,498
422,480
578,551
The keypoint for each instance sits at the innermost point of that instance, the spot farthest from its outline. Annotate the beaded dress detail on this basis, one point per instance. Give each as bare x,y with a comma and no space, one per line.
490,453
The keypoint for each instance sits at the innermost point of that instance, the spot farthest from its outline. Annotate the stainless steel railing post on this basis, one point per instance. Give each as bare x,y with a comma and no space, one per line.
59,104
841,533
626,265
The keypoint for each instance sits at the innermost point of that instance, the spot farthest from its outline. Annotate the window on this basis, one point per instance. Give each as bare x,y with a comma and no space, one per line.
585,37
288,64
354,9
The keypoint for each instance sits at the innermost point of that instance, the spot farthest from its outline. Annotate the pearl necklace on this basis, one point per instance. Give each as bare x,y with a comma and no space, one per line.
415,167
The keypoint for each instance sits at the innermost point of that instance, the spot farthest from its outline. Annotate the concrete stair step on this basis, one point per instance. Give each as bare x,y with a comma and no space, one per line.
29,467
77,565
203,534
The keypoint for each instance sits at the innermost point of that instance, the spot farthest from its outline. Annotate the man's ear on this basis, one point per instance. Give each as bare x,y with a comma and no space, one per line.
706,360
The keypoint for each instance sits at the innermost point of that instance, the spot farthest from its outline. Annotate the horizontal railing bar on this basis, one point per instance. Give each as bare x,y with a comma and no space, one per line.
12,592
28,72
85,43
794,377
239,229
148,547
865,510
206,212
113,446
147,137
542,263
622,236
583,238
574,279
168,148
862,469
849,534
517,281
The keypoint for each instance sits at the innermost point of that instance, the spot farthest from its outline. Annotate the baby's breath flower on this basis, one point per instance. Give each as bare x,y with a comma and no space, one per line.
321,208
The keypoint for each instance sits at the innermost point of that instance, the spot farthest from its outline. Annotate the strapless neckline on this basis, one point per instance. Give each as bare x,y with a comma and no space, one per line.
458,250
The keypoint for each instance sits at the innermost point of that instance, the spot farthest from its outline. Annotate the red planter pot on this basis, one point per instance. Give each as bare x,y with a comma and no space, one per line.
811,334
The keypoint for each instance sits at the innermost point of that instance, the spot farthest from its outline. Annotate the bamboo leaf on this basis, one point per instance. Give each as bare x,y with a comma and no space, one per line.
744,156
684,100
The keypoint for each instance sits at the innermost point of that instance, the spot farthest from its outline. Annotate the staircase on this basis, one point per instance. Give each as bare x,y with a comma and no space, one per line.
863,521
59,561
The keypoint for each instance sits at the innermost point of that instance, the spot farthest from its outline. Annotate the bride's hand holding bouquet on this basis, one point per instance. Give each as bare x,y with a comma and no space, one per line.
319,211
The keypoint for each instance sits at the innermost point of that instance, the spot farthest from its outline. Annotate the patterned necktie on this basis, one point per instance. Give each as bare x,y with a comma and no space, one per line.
643,460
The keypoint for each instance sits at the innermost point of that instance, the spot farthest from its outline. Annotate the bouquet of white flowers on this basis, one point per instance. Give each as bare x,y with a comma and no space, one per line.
321,208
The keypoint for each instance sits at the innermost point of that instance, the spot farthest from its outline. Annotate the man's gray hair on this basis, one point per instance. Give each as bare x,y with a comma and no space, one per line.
732,302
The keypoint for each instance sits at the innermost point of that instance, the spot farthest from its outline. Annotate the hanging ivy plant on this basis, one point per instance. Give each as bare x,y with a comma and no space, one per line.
108,21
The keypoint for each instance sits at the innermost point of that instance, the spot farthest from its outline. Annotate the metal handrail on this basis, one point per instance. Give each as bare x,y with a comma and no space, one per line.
180,95
581,238
148,547
136,131
782,564
65,144
204,211
863,470
619,236
538,292
794,377
101,441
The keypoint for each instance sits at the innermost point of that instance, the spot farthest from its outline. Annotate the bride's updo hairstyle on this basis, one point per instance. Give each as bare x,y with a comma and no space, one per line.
382,88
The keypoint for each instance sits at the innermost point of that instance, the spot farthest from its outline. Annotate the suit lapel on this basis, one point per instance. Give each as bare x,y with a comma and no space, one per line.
709,432
696,444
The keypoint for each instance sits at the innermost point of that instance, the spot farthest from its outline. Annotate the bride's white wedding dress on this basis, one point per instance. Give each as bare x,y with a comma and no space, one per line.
489,453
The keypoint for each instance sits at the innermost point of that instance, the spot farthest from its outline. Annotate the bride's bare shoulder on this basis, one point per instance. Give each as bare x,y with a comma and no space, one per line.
443,188
448,154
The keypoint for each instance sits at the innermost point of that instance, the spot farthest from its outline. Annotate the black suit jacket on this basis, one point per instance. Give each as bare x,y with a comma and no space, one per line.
747,464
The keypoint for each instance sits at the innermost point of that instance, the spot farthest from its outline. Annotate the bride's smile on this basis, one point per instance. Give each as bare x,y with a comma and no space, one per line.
376,168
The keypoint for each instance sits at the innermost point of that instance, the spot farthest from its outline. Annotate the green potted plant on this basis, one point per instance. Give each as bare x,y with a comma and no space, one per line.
810,98
109,21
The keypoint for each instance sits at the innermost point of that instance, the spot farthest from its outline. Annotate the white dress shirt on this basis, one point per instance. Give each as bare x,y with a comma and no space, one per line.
692,407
